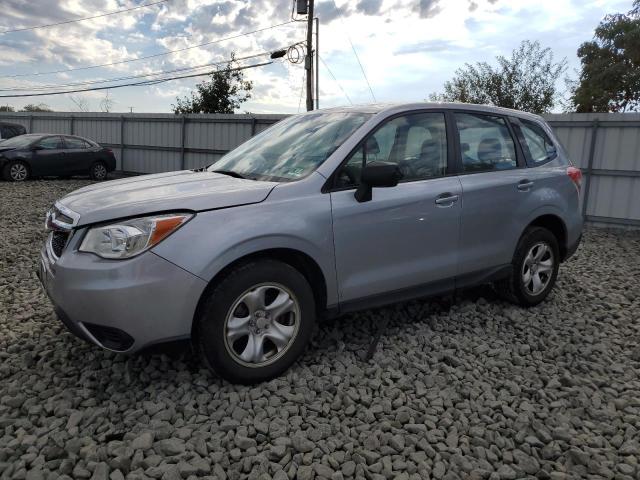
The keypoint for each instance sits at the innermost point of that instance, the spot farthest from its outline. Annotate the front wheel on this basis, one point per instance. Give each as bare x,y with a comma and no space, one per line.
16,171
535,268
256,322
98,171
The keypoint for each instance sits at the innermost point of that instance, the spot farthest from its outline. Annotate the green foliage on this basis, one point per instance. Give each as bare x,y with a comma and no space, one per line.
223,92
610,76
40,107
526,81
7,108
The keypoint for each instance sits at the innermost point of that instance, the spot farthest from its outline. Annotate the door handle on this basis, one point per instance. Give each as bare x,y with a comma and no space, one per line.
525,185
446,199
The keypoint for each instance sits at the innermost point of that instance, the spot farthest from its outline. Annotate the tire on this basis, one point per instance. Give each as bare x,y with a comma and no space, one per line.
259,345
98,171
537,255
16,171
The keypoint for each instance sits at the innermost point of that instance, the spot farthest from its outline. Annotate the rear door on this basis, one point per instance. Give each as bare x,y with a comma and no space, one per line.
495,183
48,157
79,155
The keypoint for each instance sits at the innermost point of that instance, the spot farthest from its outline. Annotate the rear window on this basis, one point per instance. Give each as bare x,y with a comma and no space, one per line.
10,131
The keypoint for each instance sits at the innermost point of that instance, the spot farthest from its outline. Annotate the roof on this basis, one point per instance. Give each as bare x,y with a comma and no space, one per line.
391,108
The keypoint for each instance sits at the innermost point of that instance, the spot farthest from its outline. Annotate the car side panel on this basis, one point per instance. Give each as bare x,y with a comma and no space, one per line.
295,216
493,213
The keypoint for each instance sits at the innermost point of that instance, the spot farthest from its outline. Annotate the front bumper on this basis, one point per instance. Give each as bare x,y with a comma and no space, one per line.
121,305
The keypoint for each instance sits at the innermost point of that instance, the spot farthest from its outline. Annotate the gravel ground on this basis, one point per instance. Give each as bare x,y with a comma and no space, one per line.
477,389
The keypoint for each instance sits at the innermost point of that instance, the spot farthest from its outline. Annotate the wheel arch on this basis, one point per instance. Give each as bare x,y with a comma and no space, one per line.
297,259
26,162
556,226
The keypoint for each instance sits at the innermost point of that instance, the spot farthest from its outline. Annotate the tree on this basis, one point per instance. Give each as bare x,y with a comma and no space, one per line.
526,81
106,104
610,77
81,103
223,92
7,108
40,107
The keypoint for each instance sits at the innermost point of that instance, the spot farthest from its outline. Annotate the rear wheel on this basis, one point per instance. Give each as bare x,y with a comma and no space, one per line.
535,268
256,322
98,171
16,171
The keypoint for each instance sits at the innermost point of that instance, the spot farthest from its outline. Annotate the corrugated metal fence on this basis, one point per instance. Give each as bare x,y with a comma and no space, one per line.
150,142
606,147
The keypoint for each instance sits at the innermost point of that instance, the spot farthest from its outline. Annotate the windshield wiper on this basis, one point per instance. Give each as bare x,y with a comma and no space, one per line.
231,173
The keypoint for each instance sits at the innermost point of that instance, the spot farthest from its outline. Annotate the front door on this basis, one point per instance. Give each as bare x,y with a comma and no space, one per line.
404,240
48,157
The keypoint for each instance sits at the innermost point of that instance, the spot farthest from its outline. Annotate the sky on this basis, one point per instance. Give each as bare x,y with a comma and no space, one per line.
407,49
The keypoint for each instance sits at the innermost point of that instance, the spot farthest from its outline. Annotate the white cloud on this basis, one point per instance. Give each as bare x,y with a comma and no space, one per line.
408,48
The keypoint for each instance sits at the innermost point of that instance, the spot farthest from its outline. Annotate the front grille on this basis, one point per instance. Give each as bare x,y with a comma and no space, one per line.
110,337
58,241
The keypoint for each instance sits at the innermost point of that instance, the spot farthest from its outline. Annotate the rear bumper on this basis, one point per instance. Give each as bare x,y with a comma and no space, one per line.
571,249
122,306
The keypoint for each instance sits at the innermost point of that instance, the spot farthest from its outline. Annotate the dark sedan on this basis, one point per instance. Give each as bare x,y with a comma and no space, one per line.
39,155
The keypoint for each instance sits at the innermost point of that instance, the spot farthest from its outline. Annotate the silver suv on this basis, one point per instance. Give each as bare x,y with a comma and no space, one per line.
324,213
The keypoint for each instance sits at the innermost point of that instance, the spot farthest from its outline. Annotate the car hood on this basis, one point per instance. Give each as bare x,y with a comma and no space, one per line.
163,192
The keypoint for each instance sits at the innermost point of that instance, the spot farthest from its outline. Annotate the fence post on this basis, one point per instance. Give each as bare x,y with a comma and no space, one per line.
589,172
122,143
71,124
31,123
182,135
254,122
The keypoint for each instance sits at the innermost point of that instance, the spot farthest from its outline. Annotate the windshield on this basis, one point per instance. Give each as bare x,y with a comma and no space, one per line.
19,141
292,148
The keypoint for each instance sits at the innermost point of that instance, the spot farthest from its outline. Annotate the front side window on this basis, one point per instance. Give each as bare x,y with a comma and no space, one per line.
50,143
485,142
537,144
417,143
73,143
292,148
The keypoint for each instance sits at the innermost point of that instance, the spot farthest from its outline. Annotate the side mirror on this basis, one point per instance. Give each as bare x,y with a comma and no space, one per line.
379,175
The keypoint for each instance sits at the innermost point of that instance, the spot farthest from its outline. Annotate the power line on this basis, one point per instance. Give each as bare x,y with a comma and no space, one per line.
134,84
150,56
335,79
129,77
346,31
82,19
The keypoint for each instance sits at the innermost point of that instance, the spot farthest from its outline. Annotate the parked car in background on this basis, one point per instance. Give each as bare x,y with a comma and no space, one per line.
39,155
10,130
324,213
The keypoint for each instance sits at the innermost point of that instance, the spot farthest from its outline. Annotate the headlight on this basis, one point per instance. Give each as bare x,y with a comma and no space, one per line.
129,238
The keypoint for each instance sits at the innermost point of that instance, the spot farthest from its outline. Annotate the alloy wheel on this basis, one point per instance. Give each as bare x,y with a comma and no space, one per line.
537,268
99,171
262,324
18,172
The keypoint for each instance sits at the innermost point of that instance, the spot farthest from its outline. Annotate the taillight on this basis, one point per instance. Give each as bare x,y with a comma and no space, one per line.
575,174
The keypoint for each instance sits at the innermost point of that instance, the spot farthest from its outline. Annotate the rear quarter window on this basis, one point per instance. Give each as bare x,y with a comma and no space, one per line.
536,143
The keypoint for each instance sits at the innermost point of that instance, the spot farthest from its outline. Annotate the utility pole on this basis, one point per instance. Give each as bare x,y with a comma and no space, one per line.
308,62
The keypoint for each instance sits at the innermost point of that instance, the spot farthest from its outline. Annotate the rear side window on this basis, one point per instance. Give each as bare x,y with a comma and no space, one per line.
75,143
486,143
536,143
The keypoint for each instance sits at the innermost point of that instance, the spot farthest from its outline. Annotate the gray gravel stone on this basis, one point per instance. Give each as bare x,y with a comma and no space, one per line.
474,388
